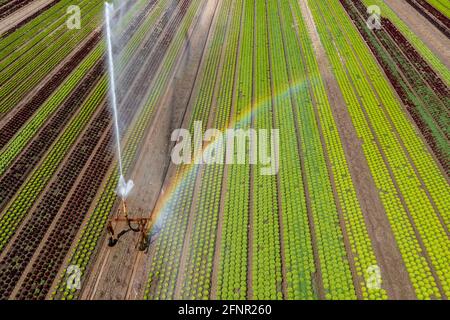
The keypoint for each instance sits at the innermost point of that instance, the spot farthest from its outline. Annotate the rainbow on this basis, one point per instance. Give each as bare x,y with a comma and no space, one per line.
185,173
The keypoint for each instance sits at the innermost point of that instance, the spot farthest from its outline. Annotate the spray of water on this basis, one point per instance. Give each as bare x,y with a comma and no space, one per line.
124,187
112,82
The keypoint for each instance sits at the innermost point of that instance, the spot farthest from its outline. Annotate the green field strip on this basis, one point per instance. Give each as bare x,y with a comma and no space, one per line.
36,25
431,111
32,67
416,263
233,254
427,168
40,39
420,46
24,75
266,250
300,268
359,239
336,275
40,30
434,237
197,282
15,213
442,6
174,216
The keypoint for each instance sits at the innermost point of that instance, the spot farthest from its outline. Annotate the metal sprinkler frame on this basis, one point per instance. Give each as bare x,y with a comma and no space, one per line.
142,226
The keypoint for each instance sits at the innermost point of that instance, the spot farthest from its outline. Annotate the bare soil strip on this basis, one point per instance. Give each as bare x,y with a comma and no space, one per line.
396,281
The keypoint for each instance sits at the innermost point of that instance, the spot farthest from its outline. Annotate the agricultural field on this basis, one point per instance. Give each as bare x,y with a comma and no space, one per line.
225,150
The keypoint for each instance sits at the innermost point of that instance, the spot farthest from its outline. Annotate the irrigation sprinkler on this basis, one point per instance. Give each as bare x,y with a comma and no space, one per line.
137,224
140,225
